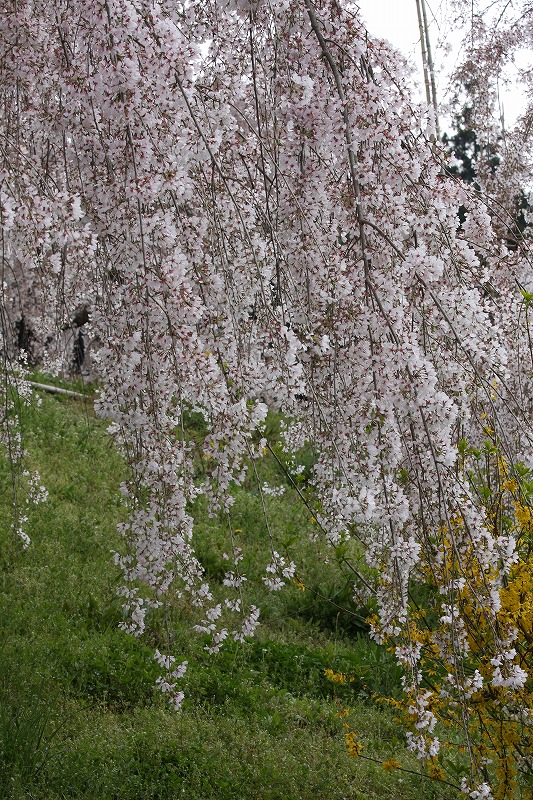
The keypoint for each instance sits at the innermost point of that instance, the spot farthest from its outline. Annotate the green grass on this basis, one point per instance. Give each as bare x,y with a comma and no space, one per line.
79,716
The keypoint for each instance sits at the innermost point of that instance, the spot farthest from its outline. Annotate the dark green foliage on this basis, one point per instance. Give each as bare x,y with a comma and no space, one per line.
331,607
465,145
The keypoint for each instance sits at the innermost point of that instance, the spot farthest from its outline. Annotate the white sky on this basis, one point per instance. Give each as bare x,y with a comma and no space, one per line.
396,20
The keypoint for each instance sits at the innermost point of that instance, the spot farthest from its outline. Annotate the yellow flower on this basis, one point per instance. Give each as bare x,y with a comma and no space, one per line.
523,515
391,764
435,771
355,748
502,463
335,677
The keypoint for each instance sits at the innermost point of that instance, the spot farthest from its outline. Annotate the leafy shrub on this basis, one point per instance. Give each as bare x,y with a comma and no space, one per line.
113,669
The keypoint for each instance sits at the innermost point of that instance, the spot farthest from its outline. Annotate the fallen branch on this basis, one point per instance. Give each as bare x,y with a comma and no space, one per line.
57,390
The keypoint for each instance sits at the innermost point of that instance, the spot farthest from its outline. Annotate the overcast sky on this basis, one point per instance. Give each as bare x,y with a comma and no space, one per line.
394,20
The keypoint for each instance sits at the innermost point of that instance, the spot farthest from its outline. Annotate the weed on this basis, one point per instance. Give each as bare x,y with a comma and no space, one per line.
29,727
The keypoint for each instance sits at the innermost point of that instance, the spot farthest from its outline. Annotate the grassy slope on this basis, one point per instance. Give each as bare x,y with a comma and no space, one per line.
78,714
